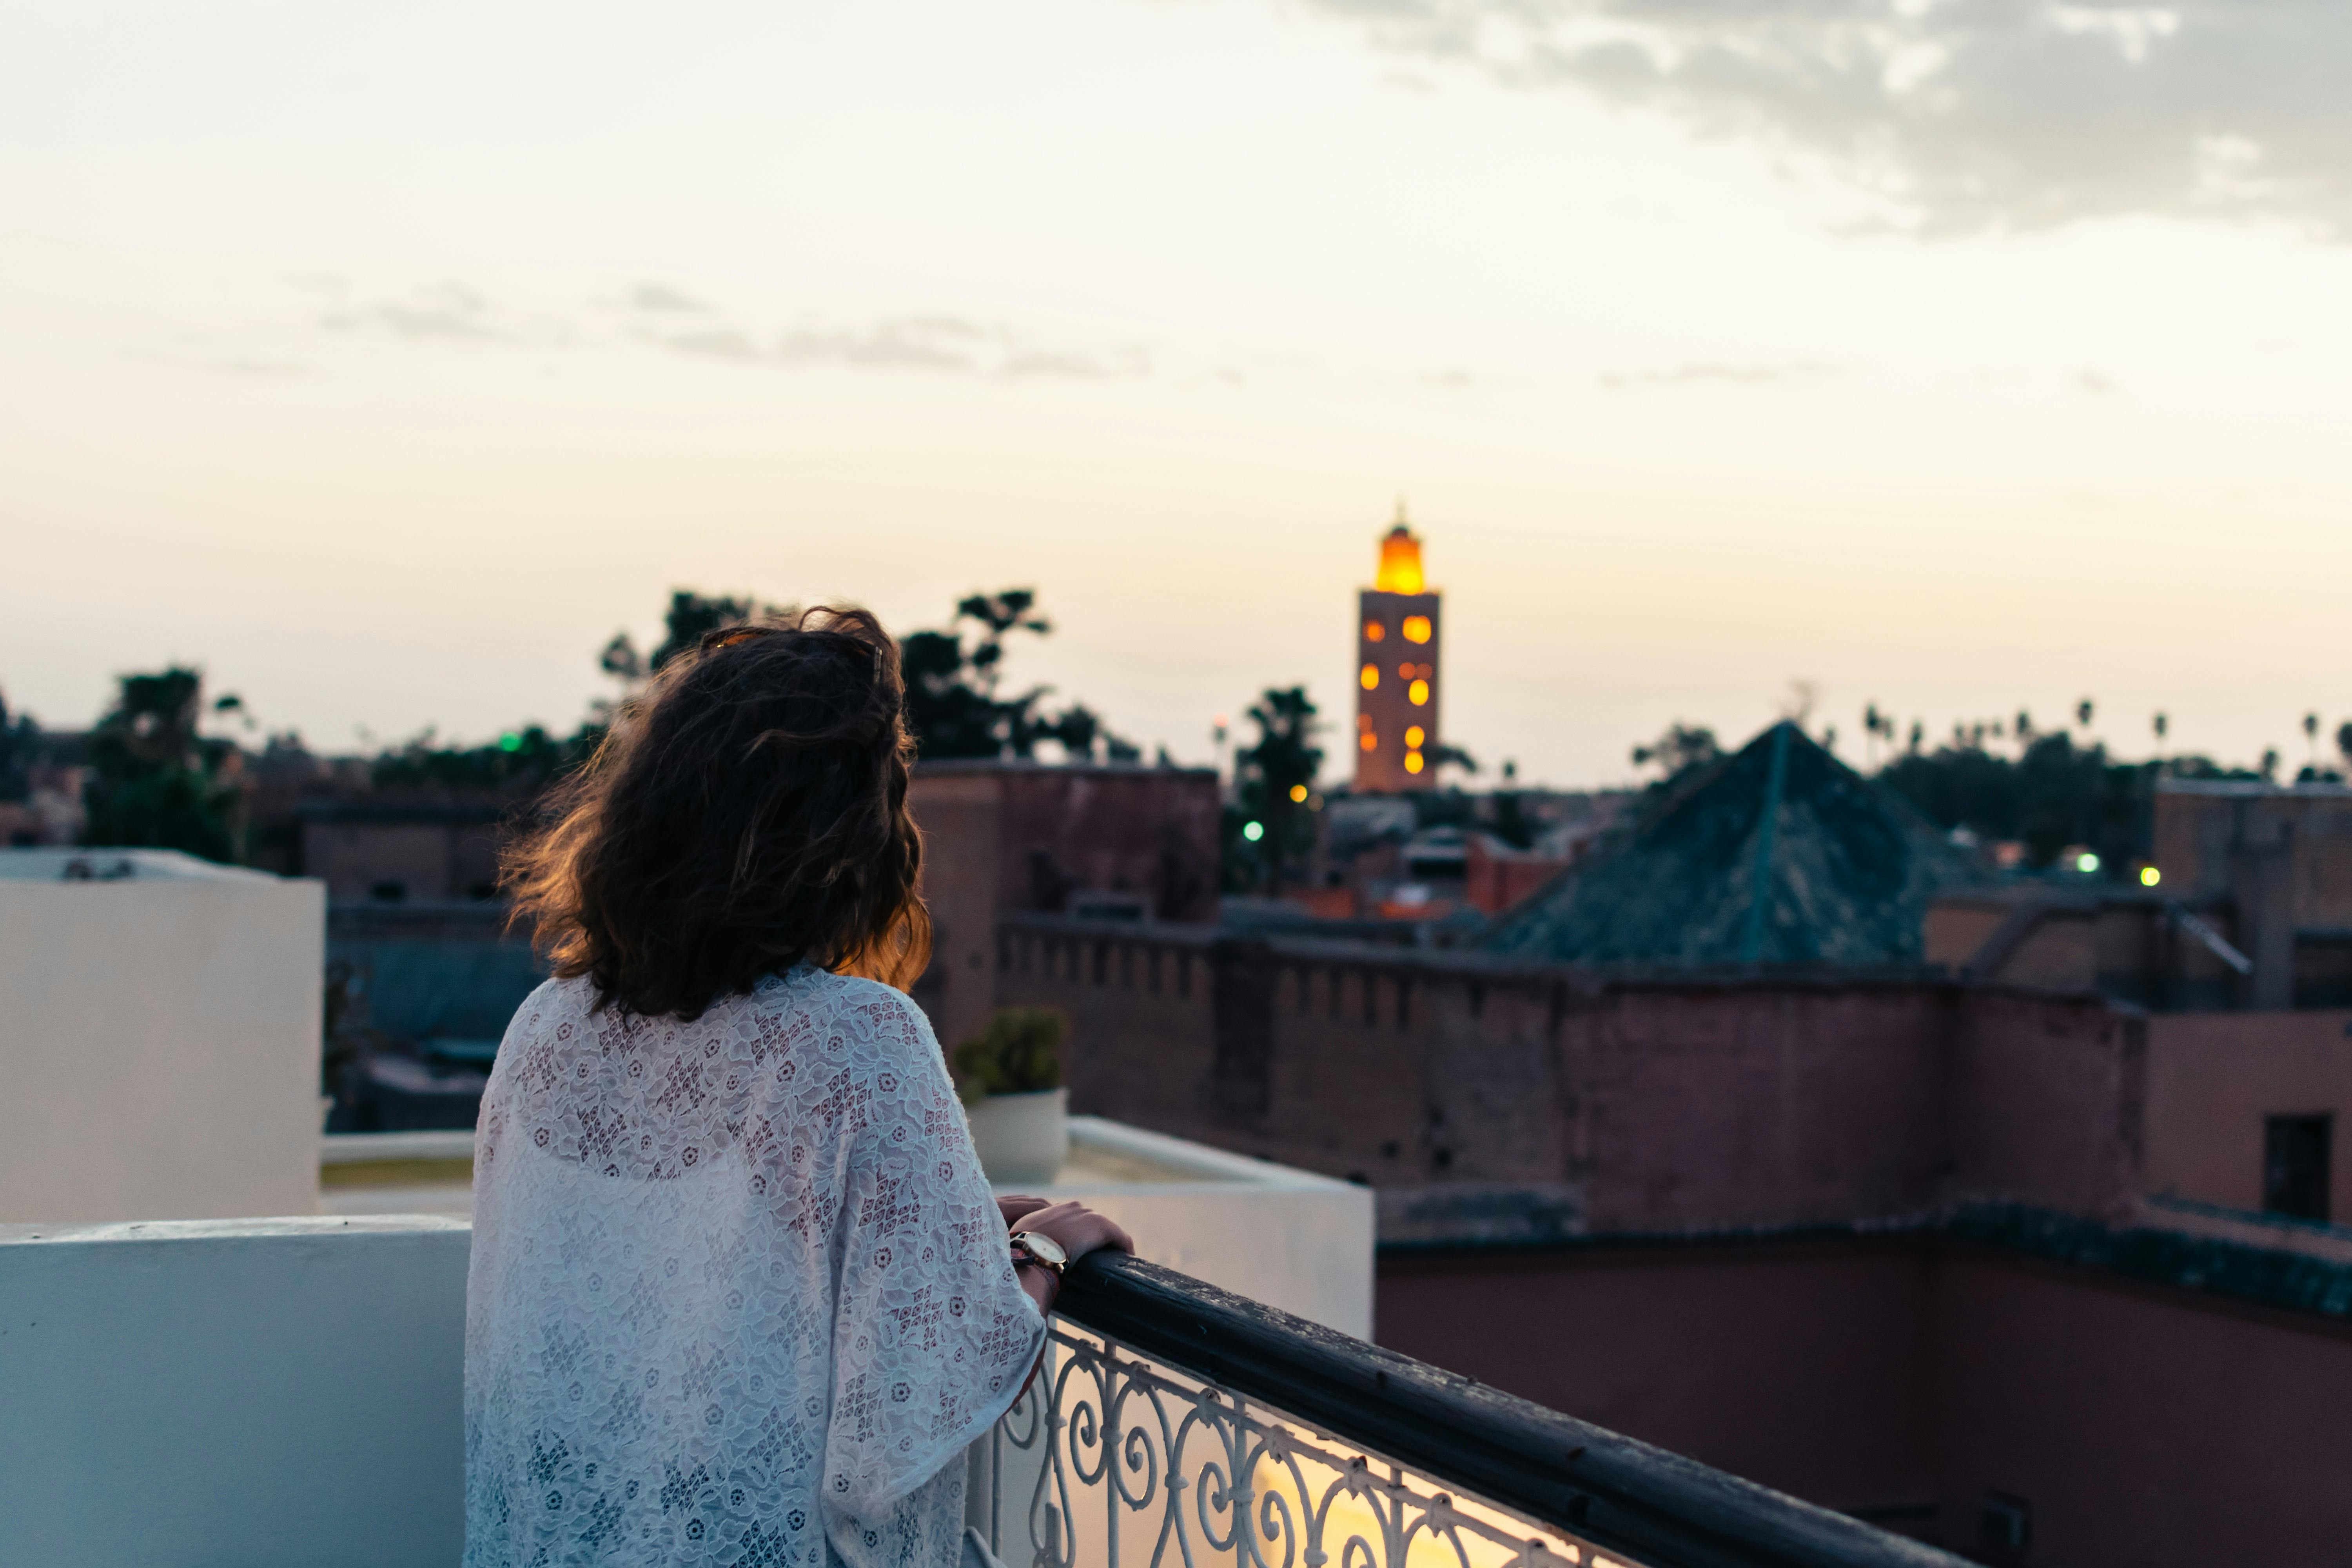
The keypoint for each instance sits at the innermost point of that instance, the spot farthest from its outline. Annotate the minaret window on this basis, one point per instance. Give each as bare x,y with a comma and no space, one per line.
1375,632
1418,695
1416,629
1371,677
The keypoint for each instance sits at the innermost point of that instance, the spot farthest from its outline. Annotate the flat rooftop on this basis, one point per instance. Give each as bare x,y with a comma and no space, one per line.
46,863
432,1172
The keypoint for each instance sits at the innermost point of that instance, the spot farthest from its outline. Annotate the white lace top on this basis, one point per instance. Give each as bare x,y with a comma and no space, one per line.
739,1291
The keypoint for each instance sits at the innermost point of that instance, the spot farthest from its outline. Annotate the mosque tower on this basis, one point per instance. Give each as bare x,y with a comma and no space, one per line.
1396,671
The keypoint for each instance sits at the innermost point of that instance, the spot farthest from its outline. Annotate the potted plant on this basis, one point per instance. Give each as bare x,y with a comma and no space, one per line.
1013,1094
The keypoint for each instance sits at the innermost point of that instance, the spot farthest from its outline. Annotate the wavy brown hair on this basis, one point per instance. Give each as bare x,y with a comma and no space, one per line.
747,812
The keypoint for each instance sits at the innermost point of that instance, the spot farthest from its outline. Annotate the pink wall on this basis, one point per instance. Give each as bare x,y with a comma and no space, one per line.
1958,924
1668,1104
1754,1104
2211,1079
2046,1102
2149,1428
1798,1365
1906,1378
1005,837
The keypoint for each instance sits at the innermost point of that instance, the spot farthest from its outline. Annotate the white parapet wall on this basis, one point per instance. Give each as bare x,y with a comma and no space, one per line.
280,1391
159,1038
1287,1238
268,1394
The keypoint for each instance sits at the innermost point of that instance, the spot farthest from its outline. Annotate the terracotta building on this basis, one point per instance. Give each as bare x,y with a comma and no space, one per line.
1115,843
1985,1263
2246,904
384,849
2023,1246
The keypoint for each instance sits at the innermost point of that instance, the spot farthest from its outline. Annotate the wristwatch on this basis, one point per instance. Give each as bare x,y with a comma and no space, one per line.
1039,1248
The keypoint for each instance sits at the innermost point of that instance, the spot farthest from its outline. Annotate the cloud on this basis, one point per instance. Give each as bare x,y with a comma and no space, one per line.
1957,116
1119,364
666,317
939,344
2091,382
716,343
438,312
904,342
661,299
1780,374
230,363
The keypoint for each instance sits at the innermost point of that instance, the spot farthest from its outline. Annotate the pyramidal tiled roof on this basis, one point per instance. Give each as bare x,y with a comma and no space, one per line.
1777,854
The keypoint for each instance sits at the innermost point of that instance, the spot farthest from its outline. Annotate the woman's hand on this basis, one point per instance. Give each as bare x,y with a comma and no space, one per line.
1077,1228
1014,1205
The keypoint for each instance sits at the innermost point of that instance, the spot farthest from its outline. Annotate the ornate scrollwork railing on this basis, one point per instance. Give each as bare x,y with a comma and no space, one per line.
1211,1477
1174,1425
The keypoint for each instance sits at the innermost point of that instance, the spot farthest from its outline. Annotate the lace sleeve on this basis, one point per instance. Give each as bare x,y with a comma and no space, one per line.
932,1333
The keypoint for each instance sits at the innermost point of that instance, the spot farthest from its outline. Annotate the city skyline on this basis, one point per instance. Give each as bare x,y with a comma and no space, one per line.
386,369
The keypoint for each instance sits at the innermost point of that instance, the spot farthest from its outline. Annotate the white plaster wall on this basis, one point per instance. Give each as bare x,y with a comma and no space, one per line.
262,1394
1287,1238
159,1040
274,1393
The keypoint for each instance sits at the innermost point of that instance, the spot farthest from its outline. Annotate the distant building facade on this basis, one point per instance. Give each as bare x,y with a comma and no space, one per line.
1719,1150
51,812
1399,631
376,849
1111,843
1976,1262
2245,906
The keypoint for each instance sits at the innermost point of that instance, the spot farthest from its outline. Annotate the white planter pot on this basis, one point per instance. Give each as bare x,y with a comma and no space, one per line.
1023,1139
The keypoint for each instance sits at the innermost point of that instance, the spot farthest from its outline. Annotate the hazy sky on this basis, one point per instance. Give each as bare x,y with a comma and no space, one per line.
1961,355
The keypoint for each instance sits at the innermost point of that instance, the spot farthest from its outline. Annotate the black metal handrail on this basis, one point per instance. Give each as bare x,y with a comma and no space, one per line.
1618,1494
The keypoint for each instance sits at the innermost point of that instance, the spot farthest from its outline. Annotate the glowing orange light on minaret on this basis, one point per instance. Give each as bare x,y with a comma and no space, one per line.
1400,570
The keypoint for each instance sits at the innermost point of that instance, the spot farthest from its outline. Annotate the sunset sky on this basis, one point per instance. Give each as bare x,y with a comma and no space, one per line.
1963,356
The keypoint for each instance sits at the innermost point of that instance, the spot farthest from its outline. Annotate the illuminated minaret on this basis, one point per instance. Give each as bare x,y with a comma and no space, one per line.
1396,671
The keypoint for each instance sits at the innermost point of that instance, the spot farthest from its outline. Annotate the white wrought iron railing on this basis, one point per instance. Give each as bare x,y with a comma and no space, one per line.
1176,1426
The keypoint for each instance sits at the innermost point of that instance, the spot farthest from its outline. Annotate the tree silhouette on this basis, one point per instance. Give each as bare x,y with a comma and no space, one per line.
1682,748
953,706
155,783
691,616
1273,782
20,743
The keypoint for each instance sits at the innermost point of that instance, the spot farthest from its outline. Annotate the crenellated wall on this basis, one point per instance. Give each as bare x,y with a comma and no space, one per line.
1482,1099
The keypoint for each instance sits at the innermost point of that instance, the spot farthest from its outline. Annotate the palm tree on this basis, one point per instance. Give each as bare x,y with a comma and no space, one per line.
1275,778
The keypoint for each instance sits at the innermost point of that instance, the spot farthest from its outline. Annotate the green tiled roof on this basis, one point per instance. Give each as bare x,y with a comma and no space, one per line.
1777,854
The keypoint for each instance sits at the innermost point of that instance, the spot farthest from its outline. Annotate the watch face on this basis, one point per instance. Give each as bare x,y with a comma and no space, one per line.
1045,1249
